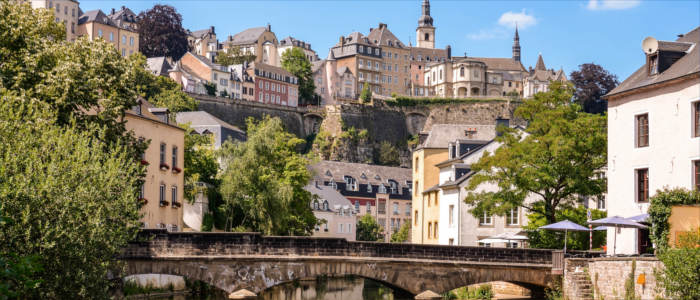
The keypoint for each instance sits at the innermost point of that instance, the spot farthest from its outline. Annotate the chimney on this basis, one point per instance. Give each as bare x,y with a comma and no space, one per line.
342,40
269,28
212,29
382,26
113,10
123,7
449,52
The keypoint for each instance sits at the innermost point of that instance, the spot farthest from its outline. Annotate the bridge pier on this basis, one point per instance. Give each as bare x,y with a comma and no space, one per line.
428,295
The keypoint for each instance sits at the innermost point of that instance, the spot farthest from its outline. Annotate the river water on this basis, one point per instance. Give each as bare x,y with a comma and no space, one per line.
323,288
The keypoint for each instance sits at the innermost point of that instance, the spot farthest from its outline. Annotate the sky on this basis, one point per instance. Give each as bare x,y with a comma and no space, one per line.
567,33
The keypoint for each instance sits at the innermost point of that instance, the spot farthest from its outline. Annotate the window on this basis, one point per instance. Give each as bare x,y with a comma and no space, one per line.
451,215
396,208
393,187
408,209
381,207
435,230
325,205
461,71
260,84
131,41
72,27
362,48
427,37
162,194
369,207
653,64
601,203
376,51
58,7
357,206
260,97
415,217
642,178
485,219
430,228
123,52
382,189
369,188
99,32
513,217
696,119
174,194
642,128
111,36
267,86
452,242
162,153
340,228
123,39
174,156
696,167
315,205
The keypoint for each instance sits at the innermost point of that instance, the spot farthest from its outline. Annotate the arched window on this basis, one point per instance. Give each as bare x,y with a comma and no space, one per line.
461,71
325,205
427,36
315,204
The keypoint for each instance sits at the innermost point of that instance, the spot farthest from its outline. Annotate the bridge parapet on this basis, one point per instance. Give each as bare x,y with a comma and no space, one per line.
160,243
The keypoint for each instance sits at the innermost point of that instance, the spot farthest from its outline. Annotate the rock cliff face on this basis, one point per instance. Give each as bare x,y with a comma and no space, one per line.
354,133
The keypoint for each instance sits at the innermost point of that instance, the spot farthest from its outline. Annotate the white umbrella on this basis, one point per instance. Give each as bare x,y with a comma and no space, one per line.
617,222
565,226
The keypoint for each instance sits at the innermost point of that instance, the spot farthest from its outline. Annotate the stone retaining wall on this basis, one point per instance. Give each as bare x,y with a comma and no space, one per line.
608,276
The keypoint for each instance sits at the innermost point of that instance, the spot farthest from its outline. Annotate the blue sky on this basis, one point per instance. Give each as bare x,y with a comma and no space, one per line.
567,33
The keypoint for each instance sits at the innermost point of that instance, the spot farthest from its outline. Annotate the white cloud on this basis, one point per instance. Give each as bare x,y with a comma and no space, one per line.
522,19
611,4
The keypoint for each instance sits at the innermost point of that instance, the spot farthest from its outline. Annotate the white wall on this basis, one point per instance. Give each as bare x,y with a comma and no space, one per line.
669,155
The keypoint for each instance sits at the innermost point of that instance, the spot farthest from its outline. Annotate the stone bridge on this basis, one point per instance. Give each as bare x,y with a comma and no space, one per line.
235,261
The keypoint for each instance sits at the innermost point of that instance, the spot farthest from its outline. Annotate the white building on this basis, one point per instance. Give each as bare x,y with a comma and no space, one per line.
336,212
539,78
458,226
653,132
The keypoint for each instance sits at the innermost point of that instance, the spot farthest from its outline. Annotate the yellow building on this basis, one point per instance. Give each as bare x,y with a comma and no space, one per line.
122,34
163,188
65,11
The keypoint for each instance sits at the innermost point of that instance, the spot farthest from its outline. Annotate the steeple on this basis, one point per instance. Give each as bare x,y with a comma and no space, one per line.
540,63
425,19
516,45
425,33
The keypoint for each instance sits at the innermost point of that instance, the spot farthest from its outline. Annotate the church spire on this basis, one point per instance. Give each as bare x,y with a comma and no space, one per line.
540,63
425,19
516,44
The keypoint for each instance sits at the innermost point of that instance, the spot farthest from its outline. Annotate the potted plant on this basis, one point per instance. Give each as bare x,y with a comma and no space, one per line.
164,167
176,170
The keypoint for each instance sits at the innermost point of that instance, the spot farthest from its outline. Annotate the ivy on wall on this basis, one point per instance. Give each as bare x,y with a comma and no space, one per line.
660,210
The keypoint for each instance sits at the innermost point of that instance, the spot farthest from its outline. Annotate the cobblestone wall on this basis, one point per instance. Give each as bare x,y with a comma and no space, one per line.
608,277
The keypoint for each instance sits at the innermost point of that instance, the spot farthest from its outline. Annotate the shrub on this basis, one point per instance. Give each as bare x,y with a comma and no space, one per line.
681,272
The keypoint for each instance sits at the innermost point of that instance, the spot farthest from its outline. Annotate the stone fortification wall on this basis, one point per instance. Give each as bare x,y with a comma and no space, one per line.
606,277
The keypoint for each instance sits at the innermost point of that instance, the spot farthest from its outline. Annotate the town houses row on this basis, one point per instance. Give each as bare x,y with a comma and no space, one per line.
378,59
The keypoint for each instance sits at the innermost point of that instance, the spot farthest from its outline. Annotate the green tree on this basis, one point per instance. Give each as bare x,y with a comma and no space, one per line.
294,60
263,182
366,95
72,207
559,158
201,164
368,230
401,235
387,154
681,272
547,239
233,56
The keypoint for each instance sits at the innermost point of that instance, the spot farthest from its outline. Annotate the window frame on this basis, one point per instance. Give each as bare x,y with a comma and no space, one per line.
483,218
696,174
641,125
513,214
163,150
695,115
641,186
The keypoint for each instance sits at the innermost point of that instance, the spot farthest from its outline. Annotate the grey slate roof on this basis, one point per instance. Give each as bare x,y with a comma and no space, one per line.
363,173
95,16
501,63
327,193
442,134
158,65
202,120
247,36
382,35
686,65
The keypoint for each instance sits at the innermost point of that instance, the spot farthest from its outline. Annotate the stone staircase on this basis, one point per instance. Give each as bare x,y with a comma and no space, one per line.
584,287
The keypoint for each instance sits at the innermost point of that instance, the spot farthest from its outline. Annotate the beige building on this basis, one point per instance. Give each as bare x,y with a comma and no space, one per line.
425,33
65,11
162,191
289,43
259,41
653,133
123,35
395,61
362,57
336,212
202,70
203,42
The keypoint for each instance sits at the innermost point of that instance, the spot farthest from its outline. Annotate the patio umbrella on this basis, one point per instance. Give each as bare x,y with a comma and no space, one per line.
640,218
600,228
565,226
617,222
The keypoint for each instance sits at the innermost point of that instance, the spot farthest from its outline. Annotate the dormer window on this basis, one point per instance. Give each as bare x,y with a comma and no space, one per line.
325,205
363,176
393,187
350,183
369,188
382,189
315,205
653,64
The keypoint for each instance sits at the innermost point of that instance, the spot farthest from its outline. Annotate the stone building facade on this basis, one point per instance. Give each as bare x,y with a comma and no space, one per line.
162,192
203,42
65,11
380,191
259,41
395,61
363,59
123,35
333,84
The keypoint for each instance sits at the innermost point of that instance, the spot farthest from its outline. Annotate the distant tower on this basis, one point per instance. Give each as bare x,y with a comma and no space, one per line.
425,33
516,45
